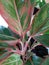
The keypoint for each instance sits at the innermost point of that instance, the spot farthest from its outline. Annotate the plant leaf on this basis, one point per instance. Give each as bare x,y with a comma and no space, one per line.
3,45
46,62
47,32
43,39
18,8
24,12
41,20
9,6
14,59
15,26
28,63
6,37
4,55
36,60
5,31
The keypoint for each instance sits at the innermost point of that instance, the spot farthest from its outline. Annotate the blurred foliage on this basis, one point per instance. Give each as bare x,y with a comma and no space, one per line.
19,20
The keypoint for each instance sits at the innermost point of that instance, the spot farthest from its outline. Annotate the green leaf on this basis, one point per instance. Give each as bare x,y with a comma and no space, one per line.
47,32
2,51
14,59
28,63
4,55
41,20
38,3
46,62
23,18
6,37
6,10
36,60
43,39
5,31
23,11
19,4
9,6
3,45
42,3
13,8
8,32
34,1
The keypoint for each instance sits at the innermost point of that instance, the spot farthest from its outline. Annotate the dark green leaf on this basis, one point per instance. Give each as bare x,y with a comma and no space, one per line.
2,51
5,31
6,37
42,3
28,63
47,32
3,45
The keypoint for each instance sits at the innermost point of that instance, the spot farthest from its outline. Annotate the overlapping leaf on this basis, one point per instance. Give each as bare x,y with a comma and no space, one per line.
17,14
41,20
14,59
5,35
24,13
7,10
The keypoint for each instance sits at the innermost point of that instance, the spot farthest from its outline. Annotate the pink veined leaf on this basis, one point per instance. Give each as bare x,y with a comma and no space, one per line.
29,11
14,25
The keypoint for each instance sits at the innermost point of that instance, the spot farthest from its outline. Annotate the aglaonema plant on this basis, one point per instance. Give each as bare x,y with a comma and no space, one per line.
27,29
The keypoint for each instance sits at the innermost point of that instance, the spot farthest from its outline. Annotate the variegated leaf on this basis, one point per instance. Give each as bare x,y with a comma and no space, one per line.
8,10
41,20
